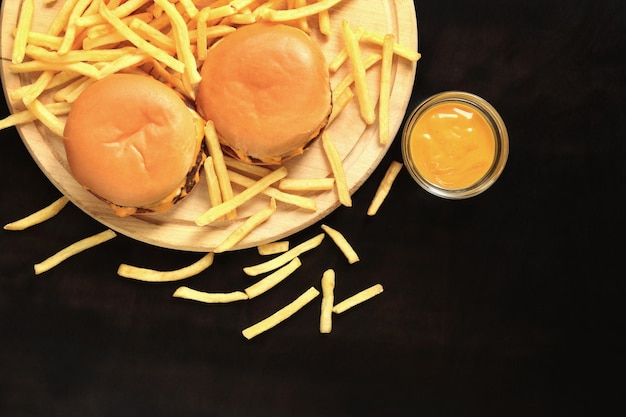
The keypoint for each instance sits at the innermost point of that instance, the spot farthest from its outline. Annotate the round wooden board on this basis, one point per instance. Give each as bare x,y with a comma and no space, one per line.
357,143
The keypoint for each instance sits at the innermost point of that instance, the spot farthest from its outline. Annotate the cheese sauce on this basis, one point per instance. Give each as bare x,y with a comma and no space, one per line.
452,145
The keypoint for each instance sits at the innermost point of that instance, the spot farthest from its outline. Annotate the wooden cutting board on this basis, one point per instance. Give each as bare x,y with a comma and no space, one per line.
357,142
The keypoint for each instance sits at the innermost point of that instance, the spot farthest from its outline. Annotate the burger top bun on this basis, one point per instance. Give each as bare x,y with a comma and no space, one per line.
266,88
130,140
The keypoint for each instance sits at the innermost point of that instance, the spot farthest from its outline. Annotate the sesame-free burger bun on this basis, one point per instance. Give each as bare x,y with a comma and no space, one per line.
266,88
134,143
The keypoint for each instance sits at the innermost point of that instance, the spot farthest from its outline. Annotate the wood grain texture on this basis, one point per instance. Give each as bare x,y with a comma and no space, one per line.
356,142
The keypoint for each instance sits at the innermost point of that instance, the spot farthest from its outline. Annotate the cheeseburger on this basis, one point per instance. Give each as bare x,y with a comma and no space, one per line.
266,88
134,143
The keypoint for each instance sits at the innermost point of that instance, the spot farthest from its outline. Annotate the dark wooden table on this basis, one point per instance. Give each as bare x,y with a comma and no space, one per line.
506,304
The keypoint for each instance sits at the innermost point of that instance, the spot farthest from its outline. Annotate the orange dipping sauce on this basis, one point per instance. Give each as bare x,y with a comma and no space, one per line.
455,145
452,145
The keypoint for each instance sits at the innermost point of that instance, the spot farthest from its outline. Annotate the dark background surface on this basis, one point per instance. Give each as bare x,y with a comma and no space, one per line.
507,304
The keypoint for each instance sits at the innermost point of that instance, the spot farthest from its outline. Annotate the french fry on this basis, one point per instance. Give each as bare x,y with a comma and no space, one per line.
273,248
360,80
155,52
42,54
71,30
123,10
73,249
342,243
71,92
59,23
227,206
123,63
190,8
337,167
46,117
295,200
209,297
385,90
282,259
34,90
256,170
358,298
201,29
306,184
181,35
82,68
312,9
328,299
400,50
324,22
44,40
342,56
24,23
340,102
273,279
348,80
153,35
215,151
241,4
246,227
39,216
26,116
151,275
384,187
281,315
213,185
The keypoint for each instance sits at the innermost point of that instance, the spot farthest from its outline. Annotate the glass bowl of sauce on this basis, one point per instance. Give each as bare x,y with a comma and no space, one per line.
455,145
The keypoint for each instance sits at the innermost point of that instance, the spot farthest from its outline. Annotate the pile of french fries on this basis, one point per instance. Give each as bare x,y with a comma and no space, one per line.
168,39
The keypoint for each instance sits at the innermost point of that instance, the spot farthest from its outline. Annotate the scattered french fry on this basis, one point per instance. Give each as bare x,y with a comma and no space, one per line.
73,249
384,187
342,244
246,227
273,279
358,298
39,216
258,187
385,90
282,259
151,275
209,297
281,315
273,248
328,299
337,168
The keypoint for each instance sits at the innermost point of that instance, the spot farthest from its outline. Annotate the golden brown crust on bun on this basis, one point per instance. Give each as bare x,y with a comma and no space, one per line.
266,88
133,142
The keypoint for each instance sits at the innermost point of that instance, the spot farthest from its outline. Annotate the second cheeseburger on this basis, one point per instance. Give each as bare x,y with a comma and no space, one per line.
266,87
133,142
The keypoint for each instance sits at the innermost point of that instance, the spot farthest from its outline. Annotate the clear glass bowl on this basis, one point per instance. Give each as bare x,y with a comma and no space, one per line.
500,136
